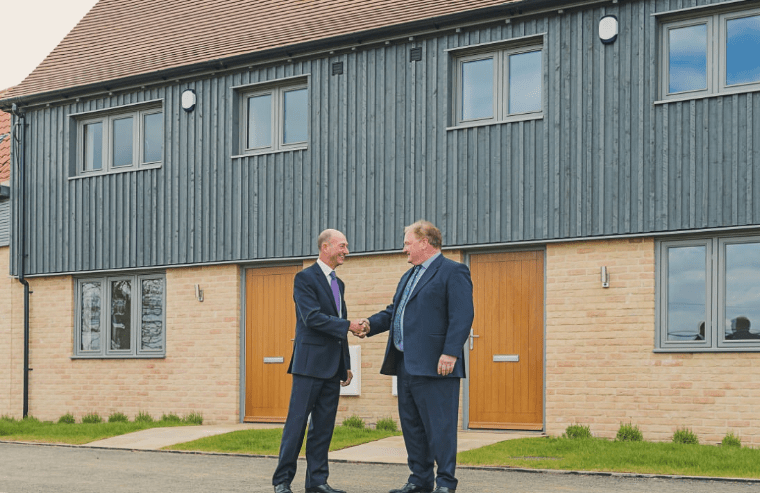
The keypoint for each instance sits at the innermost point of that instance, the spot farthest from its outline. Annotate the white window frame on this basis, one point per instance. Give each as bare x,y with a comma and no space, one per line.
277,91
138,139
716,55
715,289
105,350
500,58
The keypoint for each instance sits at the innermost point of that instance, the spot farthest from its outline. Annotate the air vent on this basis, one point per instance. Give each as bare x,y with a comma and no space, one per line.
415,54
337,68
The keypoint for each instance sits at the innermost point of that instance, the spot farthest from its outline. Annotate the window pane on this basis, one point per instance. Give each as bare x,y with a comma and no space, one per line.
686,293
151,317
122,142
295,116
743,50
742,291
153,138
89,336
688,58
93,146
121,314
260,121
477,89
525,82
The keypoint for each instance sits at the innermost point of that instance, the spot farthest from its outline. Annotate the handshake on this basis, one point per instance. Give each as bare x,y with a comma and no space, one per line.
359,327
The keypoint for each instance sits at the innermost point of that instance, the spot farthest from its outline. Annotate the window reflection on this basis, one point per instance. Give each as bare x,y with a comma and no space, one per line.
688,58
743,50
686,293
260,121
93,146
295,116
121,314
477,89
742,293
122,142
525,82
152,328
153,138
89,337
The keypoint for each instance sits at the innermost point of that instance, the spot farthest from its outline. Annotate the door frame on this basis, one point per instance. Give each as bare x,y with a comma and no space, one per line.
466,390
243,304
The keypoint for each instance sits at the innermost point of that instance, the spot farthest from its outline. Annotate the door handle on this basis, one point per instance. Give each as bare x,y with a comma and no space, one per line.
472,336
273,359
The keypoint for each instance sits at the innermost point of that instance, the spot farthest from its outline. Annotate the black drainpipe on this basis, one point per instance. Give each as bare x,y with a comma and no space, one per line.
21,256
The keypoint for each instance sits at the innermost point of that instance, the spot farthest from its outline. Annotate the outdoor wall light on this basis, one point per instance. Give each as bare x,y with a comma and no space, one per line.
198,292
608,29
605,277
188,100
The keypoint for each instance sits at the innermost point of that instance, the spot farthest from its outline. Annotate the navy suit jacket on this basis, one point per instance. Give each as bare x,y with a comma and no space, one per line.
437,320
320,349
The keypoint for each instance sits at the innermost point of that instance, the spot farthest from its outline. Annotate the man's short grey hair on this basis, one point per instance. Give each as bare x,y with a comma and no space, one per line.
324,237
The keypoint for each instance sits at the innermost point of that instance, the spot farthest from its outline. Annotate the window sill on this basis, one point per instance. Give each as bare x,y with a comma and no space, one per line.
270,151
117,356
753,349
117,172
692,97
514,119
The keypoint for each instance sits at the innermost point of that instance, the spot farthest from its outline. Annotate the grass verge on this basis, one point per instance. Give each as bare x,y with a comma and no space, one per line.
31,430
267,442
609,456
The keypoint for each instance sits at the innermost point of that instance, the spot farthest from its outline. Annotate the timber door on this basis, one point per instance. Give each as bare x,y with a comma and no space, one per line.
506,383
270,324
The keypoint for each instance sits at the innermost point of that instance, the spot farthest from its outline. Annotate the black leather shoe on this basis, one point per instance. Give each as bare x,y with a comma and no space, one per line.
282,488
411,488
323,488
443,489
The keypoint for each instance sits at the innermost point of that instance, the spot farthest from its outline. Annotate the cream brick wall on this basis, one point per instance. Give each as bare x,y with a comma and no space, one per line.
371,282
200,372
11,342
601,370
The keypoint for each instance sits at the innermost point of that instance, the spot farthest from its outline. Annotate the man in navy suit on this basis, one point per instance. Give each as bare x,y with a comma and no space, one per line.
429,322
320,365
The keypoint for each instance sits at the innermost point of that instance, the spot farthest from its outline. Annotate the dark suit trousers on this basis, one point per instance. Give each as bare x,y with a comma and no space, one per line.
318,397
428,408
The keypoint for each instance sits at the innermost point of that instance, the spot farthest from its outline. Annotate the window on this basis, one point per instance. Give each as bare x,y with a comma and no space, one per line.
113,142
711,54
499,86
276,118
709,294
120,316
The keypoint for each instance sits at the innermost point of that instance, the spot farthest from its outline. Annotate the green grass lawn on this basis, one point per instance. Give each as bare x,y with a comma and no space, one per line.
605,455
267,442
27,430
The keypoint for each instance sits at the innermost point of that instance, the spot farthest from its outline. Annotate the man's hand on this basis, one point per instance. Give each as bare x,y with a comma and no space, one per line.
359,327
348,379
446,364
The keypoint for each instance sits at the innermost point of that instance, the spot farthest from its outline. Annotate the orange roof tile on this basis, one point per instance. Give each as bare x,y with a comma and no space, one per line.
119,39
5,143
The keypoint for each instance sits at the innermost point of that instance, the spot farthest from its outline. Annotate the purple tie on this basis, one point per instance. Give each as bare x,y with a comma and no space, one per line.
335,290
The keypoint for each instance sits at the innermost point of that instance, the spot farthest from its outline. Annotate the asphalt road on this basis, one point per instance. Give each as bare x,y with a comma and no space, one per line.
40,468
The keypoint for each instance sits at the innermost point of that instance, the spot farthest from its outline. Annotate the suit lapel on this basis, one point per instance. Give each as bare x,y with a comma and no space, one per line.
429,273
322,281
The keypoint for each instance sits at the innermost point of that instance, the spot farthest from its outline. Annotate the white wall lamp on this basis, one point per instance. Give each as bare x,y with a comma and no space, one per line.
608,29
198,292
188,100
605,277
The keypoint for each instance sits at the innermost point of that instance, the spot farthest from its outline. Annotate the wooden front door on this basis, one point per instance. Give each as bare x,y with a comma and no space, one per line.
270,324
506,384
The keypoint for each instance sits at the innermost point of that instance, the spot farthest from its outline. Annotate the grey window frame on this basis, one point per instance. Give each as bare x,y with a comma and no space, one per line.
715,286
277,90
106,118
716,55
500,56
105,351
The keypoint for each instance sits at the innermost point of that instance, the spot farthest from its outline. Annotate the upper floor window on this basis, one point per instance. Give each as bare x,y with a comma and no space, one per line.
120,140
709,294
711,54
120,316
500,85
276,118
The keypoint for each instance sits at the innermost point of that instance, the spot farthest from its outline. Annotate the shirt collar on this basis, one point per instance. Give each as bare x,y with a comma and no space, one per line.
429,261
325,268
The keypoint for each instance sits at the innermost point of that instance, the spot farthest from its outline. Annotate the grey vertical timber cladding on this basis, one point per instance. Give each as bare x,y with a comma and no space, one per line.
604,159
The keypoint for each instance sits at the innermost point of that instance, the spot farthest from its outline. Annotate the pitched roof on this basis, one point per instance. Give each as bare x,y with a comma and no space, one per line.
119,39
5,143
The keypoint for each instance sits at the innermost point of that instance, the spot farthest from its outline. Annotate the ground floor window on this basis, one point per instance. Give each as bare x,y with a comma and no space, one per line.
120,316
708,293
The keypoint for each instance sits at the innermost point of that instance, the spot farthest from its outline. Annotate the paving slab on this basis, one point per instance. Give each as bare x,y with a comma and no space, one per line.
156,438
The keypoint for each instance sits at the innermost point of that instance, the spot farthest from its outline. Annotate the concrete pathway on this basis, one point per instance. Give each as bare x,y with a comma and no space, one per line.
157,438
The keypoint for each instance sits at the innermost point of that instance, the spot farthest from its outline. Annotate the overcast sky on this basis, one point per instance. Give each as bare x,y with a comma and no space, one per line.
31,29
